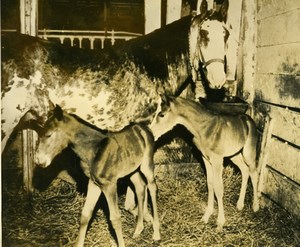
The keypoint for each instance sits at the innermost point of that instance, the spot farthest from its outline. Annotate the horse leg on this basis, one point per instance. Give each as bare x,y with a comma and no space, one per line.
130,204
210,186
239,161
139,185
217,167
254,180
249,157
110,192
147,168
93,194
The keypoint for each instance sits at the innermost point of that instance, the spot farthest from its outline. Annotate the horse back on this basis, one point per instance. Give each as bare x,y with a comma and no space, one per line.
123,153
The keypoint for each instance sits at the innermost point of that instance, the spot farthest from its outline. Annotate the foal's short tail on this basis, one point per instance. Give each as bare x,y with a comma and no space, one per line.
249,150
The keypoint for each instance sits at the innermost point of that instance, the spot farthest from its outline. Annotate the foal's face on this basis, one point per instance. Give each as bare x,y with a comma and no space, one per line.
51,142
164,120
213,38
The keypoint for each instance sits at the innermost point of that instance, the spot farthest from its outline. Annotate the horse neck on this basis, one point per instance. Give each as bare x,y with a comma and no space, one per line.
193,117
84,140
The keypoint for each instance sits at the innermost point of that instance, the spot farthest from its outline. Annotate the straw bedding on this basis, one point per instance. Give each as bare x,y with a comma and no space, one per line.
51,217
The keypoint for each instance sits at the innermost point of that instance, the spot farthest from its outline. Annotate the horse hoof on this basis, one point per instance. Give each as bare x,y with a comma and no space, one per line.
156,236
148,218
219,228
255,207
240,207
138,232
133,211
204,219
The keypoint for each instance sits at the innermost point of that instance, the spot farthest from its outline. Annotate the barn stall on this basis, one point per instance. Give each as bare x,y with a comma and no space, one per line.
267,78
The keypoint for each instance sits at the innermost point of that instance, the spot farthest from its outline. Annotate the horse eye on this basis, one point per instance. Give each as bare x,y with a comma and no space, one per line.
48,135
203,33
161,114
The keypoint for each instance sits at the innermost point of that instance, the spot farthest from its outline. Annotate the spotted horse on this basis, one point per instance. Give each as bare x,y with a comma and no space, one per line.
114,87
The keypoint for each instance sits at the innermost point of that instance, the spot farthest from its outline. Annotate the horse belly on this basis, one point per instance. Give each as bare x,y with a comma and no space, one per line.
227,140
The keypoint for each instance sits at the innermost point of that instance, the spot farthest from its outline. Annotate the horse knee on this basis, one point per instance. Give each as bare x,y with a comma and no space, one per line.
85,217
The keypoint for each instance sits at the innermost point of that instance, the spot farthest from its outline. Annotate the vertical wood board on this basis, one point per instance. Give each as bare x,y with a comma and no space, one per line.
248,48
173,10
152,15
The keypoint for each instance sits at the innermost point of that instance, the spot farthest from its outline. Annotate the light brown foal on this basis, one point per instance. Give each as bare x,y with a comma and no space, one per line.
216,136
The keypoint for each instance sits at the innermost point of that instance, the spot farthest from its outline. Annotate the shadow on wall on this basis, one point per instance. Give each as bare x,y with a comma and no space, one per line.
289,80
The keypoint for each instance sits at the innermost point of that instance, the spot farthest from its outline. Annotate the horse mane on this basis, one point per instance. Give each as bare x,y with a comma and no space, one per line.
154,50
87,124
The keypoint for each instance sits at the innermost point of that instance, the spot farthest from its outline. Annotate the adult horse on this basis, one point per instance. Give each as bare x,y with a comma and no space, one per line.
113,87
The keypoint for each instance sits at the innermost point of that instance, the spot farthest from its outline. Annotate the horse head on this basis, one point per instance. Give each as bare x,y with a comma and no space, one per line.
52,138
207,44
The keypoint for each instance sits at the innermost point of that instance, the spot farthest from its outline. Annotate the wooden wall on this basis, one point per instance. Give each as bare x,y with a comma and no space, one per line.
276,91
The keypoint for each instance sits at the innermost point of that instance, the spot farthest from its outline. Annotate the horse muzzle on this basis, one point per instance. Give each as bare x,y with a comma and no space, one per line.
216,76
42,160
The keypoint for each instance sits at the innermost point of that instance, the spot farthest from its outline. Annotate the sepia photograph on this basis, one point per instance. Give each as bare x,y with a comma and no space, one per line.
171,123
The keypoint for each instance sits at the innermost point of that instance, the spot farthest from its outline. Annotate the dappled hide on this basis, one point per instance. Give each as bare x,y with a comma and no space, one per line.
108,88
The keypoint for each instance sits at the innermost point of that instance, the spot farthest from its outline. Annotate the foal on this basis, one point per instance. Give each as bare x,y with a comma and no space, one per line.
105,157
216,136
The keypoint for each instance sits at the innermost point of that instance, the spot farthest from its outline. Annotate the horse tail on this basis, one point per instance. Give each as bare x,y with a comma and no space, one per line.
250,150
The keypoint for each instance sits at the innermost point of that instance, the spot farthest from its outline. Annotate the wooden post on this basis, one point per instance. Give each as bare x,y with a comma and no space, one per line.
173,10
248,49
29,26
233,21
29,17
28,159
152,15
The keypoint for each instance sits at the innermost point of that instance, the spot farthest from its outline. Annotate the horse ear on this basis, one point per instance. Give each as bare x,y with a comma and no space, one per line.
58,113
223,10
203,7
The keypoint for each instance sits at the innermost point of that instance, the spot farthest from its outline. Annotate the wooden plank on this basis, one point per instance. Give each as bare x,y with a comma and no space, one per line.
283,191
173,10
152,15
278,89
286,122
248,48
29,17
234,21
279,29
285,159
279,59
28,160
267,8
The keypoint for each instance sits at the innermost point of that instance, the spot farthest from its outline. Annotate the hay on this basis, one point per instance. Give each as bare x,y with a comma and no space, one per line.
51,217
